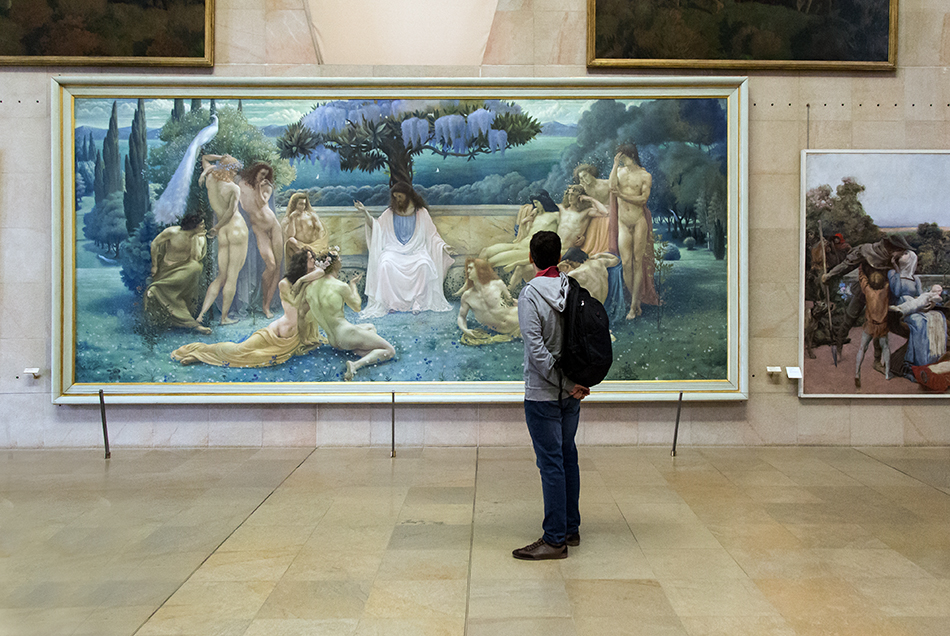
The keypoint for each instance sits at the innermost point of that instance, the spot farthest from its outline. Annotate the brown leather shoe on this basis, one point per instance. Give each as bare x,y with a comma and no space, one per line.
540,550
573,539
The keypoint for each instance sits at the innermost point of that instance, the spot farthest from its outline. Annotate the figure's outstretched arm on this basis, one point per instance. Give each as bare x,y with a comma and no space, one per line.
596,208
309,277
207,161
366,215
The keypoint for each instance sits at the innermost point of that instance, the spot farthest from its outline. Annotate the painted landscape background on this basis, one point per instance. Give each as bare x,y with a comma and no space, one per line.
682,143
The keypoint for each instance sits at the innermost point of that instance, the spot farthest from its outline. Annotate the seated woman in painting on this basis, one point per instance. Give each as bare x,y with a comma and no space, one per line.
274,344
541,214
325,299
302,227
927,340
177,255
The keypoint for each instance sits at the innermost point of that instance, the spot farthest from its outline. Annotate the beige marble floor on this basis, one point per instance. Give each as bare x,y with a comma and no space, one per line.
286,542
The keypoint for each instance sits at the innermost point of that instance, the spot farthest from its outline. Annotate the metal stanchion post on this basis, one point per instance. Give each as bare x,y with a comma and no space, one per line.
676,429
105,430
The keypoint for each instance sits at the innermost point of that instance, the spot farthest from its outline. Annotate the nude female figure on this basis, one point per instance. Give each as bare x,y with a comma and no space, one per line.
541,214
631,184
256,185
302,227
326,298
274,344
231,230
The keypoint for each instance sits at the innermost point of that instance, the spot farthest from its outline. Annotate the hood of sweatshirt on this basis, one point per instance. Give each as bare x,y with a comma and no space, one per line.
552,290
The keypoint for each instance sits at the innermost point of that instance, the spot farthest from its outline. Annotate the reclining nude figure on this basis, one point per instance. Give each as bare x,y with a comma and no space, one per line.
485,295
274,344
326,298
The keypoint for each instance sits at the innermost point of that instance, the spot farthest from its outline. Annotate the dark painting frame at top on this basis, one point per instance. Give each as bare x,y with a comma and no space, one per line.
743,34
175,33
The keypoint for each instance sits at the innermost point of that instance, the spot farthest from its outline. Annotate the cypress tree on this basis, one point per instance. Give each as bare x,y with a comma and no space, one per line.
136,183
195,105
179,110
110,155
99,185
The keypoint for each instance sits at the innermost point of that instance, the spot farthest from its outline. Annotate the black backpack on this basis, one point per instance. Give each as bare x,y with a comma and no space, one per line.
586,354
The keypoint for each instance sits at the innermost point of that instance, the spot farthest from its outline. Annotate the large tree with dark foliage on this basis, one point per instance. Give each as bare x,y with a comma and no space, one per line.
112,164
387,135
136,180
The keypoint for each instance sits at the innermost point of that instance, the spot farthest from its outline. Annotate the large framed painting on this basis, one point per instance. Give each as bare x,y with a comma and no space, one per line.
743,34
107,33
361,240
875,270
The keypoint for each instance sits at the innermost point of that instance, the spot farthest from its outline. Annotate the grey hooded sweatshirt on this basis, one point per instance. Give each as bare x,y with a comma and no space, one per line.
539,314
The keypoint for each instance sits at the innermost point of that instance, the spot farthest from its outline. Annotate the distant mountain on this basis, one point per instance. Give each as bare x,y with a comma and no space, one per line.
275,130
557,129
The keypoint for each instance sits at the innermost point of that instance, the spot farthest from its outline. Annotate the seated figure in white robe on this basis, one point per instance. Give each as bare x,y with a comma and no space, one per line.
408,259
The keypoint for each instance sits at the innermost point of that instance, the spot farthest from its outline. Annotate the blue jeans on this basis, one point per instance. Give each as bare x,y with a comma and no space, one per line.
552,427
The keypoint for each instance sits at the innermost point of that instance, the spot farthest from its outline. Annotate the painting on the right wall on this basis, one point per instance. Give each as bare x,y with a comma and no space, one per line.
875,275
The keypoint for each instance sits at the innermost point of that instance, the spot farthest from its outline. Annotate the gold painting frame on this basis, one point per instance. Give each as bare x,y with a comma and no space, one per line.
729,338
204,59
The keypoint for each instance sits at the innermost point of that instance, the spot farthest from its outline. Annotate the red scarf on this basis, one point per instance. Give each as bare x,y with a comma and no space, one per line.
550,272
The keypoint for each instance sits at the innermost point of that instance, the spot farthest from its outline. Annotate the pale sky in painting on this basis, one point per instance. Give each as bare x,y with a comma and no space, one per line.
96,112
902,189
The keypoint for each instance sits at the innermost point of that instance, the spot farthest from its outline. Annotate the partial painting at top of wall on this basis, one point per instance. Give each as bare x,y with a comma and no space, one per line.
108,32
820,34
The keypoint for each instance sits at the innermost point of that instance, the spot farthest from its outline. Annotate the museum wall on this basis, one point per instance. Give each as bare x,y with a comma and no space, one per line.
789,111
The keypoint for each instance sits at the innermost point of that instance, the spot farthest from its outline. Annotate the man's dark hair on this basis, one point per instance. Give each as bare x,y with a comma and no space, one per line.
411,193
631,151
190,222
545,249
